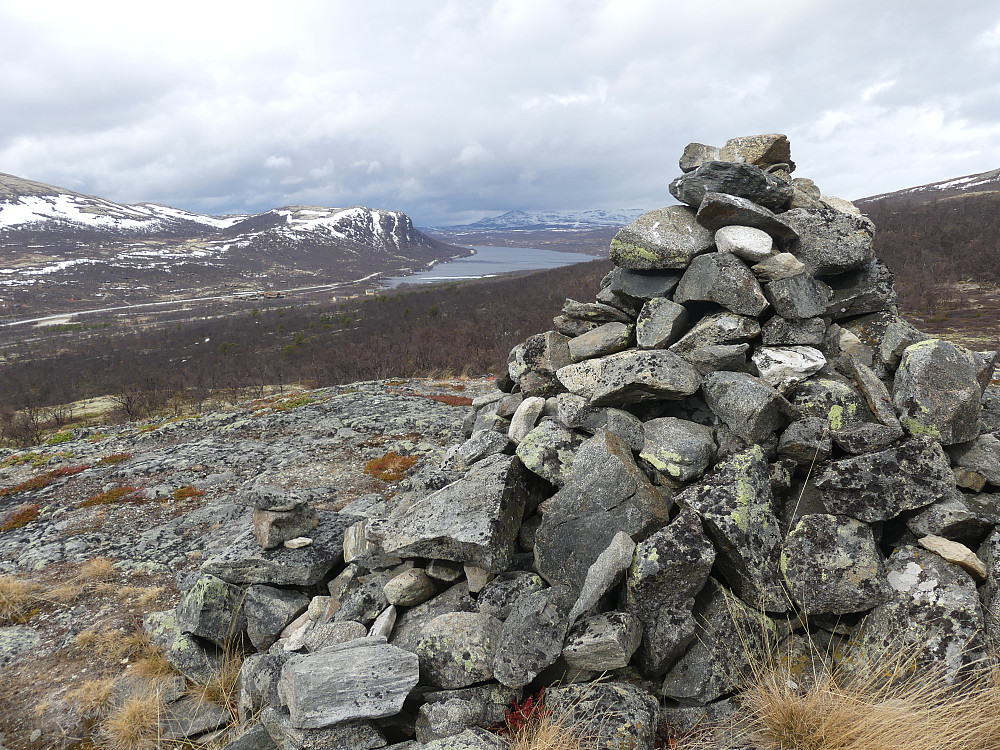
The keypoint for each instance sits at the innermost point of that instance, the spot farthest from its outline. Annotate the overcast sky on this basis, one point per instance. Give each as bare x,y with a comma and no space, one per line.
452,110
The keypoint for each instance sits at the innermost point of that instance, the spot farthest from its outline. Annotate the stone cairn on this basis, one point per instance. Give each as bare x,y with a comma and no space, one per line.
738,446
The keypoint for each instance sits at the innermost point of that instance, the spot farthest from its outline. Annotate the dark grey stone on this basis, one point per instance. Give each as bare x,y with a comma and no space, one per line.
832,399
269,610
866,290
752,409
245,562
797,297
729,640
360,734
958,517
499,595
450,712
607,715
677,449
722,328
213,609
718,210
879,486
741,180
606,493
724,279
735,502
806,441
831,242
660,323
981,455
639,286
669,569
532,635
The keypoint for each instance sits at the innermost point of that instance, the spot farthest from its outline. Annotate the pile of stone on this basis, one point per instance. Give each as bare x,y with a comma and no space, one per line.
739,445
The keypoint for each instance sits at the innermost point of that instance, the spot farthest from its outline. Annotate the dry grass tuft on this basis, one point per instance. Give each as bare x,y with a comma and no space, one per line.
98,569
153,664
874,710
93,696
546,732
135,725
19,600
114,646
224,688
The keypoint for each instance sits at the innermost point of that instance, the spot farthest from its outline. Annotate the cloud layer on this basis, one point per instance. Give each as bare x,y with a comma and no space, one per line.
452,110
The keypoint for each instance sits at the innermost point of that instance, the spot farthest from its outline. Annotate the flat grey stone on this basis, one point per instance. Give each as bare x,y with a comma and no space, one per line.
213,609
450,712
359,734
741,180
868,289
722,328
636,376
879,486
720,211
642,286
268,610
603,340
602,642
245,562
778,267
780,331
366,678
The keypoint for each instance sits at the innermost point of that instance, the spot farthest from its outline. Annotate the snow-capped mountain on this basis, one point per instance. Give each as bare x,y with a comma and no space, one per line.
51,237
592,219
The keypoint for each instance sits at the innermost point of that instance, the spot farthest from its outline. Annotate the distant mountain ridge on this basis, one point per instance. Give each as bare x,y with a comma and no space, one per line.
95,247
535,220
982,182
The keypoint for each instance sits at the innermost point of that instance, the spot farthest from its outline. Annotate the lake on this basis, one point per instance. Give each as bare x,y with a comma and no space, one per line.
491,261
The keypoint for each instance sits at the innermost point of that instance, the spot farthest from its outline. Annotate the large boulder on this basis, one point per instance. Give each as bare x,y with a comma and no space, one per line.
606,493
736,504
832,565
532,635
473,520
937,391
879,486
667,238
669,570
831,242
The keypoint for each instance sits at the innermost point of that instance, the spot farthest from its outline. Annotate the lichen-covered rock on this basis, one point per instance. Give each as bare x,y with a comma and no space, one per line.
730,638
933,622
981,455
213,609
797,296
451,712
366,678
636,376
664,239
752,409
360,734
660,323
879,486
413,624
831,242
735,502
724,279
602,642
806,441
718,328
607,715
532,635
679,450
606,493
669,569
475,519
603,340
548,450
459,649
499,595
957,516
834,400
742,180
832,565
268,610
937,392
